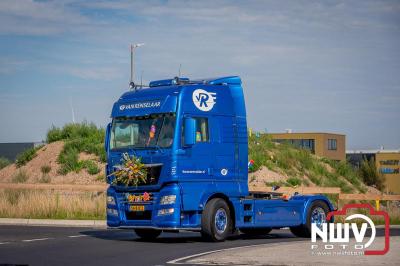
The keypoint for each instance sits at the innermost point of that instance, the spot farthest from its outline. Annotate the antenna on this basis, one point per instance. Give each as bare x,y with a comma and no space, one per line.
141,79
179,72
132,80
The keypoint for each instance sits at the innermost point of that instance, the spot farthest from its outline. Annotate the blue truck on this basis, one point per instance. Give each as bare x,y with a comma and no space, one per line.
192,137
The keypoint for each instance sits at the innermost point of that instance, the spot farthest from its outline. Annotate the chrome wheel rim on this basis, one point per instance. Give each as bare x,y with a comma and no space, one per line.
318,217
221,221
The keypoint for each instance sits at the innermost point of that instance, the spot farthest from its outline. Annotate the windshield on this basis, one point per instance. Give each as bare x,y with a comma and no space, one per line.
141,132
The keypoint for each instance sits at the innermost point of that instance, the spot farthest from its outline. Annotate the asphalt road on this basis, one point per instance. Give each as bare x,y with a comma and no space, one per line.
34,245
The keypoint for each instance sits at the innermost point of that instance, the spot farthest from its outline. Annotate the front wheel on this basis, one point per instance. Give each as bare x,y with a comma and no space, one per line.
216,222
316,214
147,234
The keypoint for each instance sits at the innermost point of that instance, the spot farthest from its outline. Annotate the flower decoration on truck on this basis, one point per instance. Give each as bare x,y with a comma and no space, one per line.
131,173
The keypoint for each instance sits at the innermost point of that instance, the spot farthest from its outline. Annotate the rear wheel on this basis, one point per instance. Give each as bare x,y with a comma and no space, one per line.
316,214
256,231
216,222
148,234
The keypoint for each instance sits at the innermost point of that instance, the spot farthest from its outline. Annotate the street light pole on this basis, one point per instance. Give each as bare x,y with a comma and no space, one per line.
133,47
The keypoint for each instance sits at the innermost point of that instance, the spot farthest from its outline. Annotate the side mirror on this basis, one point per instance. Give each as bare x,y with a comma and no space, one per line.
190,131
107,137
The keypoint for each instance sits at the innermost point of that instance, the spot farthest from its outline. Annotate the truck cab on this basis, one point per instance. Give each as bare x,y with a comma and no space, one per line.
192,137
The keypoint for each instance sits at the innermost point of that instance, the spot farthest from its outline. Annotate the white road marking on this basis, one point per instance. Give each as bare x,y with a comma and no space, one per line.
37,239
177,261
77,236
3,243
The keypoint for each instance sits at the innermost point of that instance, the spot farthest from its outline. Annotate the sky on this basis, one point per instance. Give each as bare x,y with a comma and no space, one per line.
319,66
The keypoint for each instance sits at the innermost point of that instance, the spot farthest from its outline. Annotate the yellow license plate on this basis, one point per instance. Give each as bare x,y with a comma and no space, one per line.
136,208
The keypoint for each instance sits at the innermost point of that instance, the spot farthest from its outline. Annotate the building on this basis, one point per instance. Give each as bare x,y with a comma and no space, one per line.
329,145
387,163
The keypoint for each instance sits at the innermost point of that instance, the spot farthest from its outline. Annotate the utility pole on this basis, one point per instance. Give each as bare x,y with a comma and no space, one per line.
133,47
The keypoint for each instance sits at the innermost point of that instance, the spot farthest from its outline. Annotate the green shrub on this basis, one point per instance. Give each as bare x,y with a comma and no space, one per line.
78,137
4,162
370,174
45,169
293,181
20,177
68,159
27,155
91,167
54,134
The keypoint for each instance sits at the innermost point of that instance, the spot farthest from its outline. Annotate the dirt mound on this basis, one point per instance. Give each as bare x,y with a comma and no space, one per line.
373,190
47,156
263,175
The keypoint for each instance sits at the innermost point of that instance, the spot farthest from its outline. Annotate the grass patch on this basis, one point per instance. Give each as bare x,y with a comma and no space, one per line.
91,167
20,177
4,162
276,183
26,156
370,175
293,181
45,169
42,204
101,178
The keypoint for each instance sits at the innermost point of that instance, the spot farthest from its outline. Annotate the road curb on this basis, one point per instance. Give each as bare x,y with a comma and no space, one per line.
54,222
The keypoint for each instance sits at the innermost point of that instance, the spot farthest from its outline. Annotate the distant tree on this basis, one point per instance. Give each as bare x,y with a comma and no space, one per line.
370,175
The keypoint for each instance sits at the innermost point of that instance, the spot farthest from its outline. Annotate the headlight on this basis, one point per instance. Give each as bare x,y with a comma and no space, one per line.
170,199
165,211
110,200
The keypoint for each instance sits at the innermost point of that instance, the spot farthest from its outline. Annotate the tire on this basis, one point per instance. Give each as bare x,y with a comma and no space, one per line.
148,234
304,230
216,222
256,231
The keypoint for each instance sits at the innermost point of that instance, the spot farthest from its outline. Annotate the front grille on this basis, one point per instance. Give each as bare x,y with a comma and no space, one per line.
153,174
145,215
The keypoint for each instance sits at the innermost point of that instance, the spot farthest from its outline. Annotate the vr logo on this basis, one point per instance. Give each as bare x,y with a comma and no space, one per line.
204,100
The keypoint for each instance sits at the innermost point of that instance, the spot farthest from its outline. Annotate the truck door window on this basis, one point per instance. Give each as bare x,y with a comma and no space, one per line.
201,130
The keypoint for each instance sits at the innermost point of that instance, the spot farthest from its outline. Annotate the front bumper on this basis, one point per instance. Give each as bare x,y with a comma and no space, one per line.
152,214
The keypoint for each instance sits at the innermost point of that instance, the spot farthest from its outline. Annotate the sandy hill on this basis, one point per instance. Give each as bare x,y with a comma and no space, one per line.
47,156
